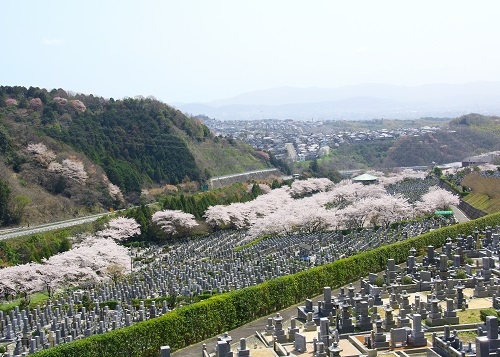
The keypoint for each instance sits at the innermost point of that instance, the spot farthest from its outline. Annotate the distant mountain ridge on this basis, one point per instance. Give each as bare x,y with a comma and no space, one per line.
364,101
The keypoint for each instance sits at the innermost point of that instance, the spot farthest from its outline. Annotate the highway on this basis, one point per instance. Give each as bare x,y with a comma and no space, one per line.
24,231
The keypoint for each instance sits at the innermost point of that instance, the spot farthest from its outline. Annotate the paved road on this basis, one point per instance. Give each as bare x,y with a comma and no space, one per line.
24,231
459,215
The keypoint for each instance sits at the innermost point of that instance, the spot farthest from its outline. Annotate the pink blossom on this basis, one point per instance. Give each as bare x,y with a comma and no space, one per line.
436,199
10,101
170,221
115,192
41,153
87,261
393,178
303,187
36,103
71,169
120,228
60,101
78,105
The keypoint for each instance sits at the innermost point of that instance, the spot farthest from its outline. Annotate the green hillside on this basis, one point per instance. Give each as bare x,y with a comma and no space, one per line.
74,151
457,139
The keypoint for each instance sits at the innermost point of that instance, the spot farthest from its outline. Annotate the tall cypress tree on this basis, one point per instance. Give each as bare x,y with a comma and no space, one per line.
4,203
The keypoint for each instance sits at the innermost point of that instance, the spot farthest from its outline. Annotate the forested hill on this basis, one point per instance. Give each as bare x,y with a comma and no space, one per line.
131,144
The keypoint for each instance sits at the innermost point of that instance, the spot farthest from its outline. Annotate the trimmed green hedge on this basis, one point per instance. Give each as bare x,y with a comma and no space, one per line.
194,323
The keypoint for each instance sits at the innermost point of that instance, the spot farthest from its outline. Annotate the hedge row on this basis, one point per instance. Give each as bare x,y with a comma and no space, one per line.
194,323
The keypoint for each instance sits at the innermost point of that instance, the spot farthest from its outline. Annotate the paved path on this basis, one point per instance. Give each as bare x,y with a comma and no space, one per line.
459,215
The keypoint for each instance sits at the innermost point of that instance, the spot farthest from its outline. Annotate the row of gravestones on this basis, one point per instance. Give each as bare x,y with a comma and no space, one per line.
413,190
335,315
383,335
253,265
441,272
356,310
60,322
180,273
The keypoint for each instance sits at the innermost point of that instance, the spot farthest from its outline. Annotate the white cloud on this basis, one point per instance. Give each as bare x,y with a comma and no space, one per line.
52,41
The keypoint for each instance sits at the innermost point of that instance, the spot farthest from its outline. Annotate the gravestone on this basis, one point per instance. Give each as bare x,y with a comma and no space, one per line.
378,337
480,290
450,315
243,351
278,331
388,322
434,316
300,343
416,338
399,337
292,330
345,321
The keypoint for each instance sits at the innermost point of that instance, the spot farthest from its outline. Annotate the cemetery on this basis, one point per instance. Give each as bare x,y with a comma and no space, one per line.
365,319
192,289
425,289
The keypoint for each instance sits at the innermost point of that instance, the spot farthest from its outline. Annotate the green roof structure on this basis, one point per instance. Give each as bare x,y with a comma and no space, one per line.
365,178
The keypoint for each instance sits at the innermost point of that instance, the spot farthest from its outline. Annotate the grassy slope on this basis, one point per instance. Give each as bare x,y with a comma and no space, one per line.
483,202
485,193
222,158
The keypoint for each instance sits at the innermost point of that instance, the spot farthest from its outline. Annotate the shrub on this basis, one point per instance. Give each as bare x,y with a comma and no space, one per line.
407,280
488,312
378,281
460,274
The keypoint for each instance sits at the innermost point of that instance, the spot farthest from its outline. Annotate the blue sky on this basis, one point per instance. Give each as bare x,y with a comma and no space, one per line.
189,51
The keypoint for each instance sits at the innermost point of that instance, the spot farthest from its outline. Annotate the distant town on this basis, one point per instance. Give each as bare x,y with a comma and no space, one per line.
299,140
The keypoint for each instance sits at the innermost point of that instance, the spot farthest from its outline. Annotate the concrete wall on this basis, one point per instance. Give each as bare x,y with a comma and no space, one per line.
222,181
469,211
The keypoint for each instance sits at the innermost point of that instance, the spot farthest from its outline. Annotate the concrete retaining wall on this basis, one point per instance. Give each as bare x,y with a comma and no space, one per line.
471,212
222,181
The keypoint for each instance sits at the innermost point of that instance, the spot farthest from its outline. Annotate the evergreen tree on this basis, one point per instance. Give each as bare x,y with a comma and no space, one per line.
4,203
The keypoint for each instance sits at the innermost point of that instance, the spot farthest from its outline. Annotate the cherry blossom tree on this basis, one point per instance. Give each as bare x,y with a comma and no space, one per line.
395,177
10,101
240,215
41,153
78,105
311,206
115,192
20,279
436,198
354,215
120,229
217,216
388,209
70,168
88,261
60,100
36,103
311,185
173,221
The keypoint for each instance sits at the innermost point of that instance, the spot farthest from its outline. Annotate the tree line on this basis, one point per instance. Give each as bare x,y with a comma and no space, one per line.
195,204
